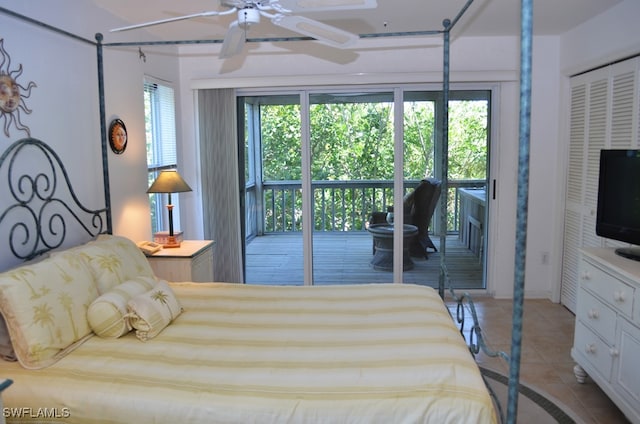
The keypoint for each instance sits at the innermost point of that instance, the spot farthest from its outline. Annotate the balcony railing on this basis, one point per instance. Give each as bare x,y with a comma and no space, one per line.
276,206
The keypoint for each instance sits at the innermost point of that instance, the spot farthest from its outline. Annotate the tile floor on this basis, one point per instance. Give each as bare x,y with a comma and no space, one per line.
546,361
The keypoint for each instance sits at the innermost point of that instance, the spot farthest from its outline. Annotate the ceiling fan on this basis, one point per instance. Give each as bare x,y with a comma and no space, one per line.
280,12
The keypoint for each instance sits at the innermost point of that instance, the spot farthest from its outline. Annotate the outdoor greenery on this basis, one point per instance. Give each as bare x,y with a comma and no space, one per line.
353,142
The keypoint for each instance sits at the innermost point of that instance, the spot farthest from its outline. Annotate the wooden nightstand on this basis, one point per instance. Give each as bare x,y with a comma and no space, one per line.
192,261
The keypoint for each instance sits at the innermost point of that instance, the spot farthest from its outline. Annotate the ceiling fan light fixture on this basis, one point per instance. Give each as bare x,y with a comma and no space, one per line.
248,16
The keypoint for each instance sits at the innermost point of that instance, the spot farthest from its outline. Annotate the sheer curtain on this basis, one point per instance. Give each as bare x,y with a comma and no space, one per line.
220,186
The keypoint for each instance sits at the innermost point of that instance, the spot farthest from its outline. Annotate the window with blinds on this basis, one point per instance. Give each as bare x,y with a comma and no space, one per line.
160,128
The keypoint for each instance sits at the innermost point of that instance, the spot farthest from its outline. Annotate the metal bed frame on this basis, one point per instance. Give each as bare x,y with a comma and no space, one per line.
38,188
48,229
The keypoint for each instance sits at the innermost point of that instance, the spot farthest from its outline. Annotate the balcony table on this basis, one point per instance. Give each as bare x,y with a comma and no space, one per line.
383,246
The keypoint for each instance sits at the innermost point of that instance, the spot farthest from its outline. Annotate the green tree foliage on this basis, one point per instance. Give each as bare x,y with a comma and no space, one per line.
468,140
419,144
353,142
281,133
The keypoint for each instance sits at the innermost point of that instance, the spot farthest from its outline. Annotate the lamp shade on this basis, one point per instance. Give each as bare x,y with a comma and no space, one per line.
169,182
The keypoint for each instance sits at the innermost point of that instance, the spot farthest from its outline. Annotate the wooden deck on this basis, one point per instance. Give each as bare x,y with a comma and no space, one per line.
343,258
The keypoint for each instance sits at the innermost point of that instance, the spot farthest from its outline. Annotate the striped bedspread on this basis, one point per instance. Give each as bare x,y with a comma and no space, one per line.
249,354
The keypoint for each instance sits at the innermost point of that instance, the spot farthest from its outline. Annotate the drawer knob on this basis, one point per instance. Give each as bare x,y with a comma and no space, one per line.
593,314
590,348
586,276
614,352
619,296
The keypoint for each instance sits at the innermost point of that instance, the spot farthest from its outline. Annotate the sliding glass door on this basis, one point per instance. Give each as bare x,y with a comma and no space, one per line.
352,169
273,190
324,168
468,195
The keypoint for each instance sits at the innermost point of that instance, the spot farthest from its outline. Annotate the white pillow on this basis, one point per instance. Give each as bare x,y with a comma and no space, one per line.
113,260
107,314
45,308
6,348
151,312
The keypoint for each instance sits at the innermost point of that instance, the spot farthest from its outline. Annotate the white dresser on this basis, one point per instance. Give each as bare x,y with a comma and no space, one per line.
607,334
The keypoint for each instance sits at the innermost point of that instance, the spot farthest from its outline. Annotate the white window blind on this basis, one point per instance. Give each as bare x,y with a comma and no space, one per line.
160,126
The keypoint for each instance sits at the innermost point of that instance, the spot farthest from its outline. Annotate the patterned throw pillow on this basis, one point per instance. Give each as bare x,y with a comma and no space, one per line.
114,260
107,314
45,308
6,347
152,311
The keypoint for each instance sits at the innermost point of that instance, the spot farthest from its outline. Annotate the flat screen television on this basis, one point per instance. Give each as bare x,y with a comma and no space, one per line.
618,211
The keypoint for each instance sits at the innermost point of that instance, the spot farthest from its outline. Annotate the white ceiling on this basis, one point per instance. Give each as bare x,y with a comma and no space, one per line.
483,18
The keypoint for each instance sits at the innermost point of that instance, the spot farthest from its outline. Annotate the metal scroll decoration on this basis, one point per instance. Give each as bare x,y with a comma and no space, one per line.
12,94
39,206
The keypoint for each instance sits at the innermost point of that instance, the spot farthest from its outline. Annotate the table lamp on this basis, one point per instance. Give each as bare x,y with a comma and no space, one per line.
169,182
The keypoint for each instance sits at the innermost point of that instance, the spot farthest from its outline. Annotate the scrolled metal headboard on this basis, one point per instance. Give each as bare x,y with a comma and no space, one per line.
38,206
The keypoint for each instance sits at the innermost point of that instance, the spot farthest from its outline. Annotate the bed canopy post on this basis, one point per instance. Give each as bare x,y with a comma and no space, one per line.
444,156
443,173
103,131
522,208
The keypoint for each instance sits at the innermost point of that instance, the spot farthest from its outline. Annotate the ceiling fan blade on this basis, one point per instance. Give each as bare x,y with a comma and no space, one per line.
324,5
324,33
233,41
178,18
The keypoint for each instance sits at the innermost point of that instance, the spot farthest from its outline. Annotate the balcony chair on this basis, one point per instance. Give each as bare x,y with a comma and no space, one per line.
419,206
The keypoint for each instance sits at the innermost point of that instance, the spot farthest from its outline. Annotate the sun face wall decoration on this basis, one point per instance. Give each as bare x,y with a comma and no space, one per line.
12,94
117,136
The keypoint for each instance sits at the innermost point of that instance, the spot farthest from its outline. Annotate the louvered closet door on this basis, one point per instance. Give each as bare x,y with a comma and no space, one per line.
604,114
574,189
623,131
624,92
597,130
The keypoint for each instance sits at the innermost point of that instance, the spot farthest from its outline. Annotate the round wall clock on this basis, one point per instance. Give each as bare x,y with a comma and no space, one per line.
117,136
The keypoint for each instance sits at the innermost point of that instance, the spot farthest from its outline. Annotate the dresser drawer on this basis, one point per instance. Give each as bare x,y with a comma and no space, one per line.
593,349
607,336
612,290
596,315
